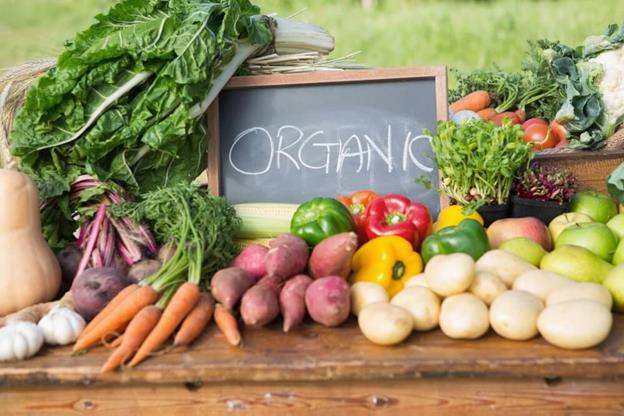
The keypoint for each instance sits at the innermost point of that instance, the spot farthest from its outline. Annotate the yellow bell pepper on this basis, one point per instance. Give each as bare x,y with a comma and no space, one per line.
389,261
452,215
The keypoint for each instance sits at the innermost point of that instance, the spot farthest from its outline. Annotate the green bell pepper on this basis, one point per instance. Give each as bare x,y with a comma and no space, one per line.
467,237
320,218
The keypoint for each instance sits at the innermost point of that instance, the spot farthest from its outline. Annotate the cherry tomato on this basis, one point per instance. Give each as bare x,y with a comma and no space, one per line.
533,121
498,120
560,132
540,136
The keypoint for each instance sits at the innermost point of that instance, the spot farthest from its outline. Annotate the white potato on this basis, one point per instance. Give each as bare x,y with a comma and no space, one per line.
417,281
513,315
385,323
365,293
464,316
450,274
422,304
585,290
504,265
487,287
575,324
541,283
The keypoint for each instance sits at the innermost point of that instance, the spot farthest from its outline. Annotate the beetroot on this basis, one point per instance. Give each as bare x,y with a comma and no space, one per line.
94,288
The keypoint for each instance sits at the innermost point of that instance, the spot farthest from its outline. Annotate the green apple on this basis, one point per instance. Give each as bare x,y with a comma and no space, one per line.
524,248
615,283
617,225
598,206
562,221
577,263
618,256
594,236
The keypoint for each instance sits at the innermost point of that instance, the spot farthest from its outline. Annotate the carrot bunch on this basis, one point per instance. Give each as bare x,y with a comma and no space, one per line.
201,228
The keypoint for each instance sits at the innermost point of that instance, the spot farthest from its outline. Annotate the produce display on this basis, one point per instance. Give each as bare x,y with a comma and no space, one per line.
110,141
572,96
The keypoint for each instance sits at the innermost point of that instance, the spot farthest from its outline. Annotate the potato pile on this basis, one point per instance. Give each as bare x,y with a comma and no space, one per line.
502,291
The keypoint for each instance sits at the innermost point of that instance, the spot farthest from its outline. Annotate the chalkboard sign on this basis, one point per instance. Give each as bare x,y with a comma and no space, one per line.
289,138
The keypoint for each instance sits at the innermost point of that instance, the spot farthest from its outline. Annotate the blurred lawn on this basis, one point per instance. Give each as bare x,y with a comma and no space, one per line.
461,34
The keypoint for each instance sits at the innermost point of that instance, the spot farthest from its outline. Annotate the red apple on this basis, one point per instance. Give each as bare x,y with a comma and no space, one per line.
528,227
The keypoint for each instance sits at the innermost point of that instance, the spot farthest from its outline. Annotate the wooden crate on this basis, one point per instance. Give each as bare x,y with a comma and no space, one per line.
590,168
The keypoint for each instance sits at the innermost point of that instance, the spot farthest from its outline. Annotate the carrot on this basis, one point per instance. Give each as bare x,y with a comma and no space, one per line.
114,302
118,317
117,341
182,302
487,113
196,320
227,324
475,101
138,329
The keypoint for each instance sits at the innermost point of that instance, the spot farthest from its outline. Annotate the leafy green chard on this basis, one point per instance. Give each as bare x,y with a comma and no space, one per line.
118,105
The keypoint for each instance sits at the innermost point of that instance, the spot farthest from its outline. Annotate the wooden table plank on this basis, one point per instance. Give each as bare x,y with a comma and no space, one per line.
314,353
438,396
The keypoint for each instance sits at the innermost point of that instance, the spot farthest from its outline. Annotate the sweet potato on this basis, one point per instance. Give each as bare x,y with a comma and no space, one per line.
292,300
332,256
287,256
252,260
259,305
327,300
228,285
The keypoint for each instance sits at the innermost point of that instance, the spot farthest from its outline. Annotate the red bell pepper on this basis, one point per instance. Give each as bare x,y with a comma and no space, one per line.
397,215
358,203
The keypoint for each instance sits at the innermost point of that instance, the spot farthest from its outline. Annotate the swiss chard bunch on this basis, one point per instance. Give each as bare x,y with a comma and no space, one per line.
542,183
478,161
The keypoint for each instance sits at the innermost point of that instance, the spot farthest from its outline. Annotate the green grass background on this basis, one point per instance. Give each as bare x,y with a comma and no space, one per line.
462,34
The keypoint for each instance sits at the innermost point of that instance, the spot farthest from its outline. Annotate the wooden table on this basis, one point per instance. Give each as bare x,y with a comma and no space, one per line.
317,370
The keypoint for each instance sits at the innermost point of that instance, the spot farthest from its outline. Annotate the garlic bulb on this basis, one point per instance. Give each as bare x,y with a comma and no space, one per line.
20,340
61,326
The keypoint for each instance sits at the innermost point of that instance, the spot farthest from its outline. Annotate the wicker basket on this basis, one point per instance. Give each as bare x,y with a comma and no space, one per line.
591,168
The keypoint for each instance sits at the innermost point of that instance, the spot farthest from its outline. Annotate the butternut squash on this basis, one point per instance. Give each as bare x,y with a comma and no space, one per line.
29,270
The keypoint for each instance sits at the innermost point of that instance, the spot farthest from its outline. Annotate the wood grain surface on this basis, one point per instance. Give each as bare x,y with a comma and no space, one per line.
439,396
314,353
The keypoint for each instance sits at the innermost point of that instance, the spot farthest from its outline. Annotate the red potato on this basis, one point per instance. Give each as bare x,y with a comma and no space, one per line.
260,305
487,113
332,256
228,285
287,256
498,120
327,300
252,260
292,300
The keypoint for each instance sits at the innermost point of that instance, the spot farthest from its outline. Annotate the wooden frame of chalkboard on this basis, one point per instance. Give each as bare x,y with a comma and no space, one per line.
437,73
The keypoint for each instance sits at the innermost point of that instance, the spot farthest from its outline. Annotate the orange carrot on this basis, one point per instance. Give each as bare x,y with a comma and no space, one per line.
114,302
196,320
487,113
182,302
475,101
117,341
227,324
138,329
117,318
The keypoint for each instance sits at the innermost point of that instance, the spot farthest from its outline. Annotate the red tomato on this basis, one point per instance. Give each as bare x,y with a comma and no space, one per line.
533,121
560,132
562,143
540,136
498,120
